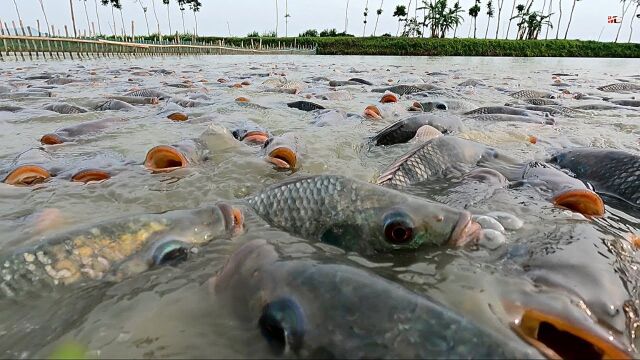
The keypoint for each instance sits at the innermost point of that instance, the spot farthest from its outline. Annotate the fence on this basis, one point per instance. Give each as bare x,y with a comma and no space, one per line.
28,45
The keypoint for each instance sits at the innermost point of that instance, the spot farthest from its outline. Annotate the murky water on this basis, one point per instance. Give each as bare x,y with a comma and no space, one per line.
557,258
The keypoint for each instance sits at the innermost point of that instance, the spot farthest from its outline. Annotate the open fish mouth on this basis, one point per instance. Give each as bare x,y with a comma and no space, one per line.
233,218
583,201
416,106
256,137
466,231
51,139
372,112
165,158
178,116
283,158
559,338
389,98
27,175
90,175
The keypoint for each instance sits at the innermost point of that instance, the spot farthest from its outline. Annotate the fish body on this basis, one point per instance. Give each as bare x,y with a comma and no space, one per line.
620,87
361,81
597,107
472,82
516,118
340,95
60,81
62,108
71,133
611,172
335,83
10,108
362,217
554,110
439,157
406,89
318,306
530,94
282,151
305,105
506,110
113,104
114,249
329,117
148,93
448,104
404,130
540,102
626,102
136,100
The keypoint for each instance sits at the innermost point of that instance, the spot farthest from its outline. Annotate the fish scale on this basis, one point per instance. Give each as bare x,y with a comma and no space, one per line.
529,94
619,87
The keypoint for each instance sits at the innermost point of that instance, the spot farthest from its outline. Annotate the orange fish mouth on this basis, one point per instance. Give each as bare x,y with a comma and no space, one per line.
283,158
178,116
165,158
416,106
242,99
27,175
558,338
233,217
372,112
583,201
51,139
90,175
256,137
389,98
466,231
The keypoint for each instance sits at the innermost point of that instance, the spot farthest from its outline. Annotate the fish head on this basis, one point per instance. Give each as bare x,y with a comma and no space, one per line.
389,97
251,134
563,190
52,139
372,112
282,152
165,158
90,175
27,175
435,105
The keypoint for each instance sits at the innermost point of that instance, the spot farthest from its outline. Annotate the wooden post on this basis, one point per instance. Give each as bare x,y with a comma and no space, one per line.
93,26
132,32
22,28
2,28
66,32
73,19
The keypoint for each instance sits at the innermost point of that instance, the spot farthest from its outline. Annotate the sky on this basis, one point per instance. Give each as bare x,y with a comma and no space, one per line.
224,18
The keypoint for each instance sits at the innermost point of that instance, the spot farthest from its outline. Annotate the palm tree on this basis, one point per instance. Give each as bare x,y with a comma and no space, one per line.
635,12
500,3
513,9
195,5
624,11
73,18
277,18
490,14
378,13
119,7
559,18
457,12
366,12
406,19
167,2
473,12
155,14
181,4
346,17
95,3
286,18
400,12
45,15
570,17
144,10
546,34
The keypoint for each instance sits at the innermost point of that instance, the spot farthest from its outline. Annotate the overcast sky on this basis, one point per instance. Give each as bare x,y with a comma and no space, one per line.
241,17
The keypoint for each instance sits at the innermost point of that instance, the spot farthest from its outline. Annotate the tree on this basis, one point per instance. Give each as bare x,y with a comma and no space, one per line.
457,12
570,18
195,5
346,17
144,11
546,34
286,18
309,33
45,16
181,6
473,12
624,11
559,18
366,13
378,13
73,18
490,14
500,3
166,2
400,12
406,19
113,16
513,9
635,12
277,18
155,14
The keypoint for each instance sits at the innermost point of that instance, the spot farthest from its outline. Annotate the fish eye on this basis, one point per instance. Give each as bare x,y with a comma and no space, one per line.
282,325
236,134
170,253
398,228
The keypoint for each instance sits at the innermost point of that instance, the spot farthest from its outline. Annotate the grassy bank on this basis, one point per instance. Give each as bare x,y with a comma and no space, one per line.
446,47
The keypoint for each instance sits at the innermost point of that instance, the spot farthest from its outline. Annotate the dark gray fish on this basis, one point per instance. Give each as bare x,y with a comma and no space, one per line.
611,172
10,108
554,110
330,117
362,217
530,94
445,104
115,249
114,104
289,299
472,82
305,105
149,93
600,106
404,130
407,89
540,102
620,87
63,108
180,85
506,110
163,71
361,81
626,102
60,81
343,83
70,133
516,118
282,151
136,100
26,94
437,158
39,77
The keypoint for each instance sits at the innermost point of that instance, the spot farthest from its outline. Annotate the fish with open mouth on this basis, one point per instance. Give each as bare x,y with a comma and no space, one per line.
282,152
115,249
404,130
167,158
362,217
407,89
74,132
251,133
313,308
